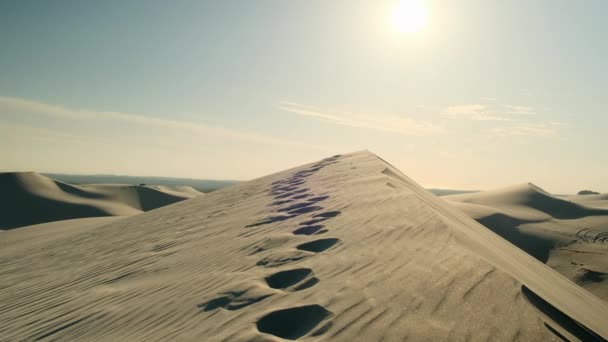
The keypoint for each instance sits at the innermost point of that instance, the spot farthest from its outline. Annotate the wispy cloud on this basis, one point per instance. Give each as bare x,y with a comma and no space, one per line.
12,105
484,112
380,122
550,129
477,112
509,120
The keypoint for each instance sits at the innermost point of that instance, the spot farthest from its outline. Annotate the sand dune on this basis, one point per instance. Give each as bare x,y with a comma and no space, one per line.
29,198
598,201
345,249
564,232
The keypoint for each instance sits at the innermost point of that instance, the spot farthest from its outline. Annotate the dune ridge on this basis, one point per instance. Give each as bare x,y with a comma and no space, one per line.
386,260
30,198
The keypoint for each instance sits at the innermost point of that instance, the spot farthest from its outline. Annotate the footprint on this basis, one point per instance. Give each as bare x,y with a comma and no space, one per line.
289,194
308,230
328,214
295,181
286,279
235,300
296,206
314,221
318,199
304,210
270,220
301,176
282,258
281,202
286,188
318,246
293,323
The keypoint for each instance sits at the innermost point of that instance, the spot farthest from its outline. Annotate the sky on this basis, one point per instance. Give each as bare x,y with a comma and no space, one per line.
481,94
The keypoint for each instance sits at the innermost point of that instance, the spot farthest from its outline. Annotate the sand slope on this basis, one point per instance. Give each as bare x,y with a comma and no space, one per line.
29,198
564,232
598,201
346,249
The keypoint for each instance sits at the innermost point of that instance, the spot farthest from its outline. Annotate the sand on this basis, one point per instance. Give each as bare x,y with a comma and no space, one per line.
29,198
345,249
568,233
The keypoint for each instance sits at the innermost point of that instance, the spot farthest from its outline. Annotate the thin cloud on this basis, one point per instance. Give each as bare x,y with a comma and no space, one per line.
551,129
11,105
511,120
476,112
519,110
484,112
386,123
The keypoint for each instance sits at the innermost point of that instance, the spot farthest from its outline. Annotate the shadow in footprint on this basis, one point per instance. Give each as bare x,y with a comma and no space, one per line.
293,323
296,206
270,220
318,199
285,279
304,210
328,214
313,221
318,246
281,202
289,194
306,284
287,188
308,230
232,300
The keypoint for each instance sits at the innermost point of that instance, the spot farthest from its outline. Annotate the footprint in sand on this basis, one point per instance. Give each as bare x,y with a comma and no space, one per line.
318,246
293,323
295,206
292,280
289,194
270,220
310,230
235,300
303,251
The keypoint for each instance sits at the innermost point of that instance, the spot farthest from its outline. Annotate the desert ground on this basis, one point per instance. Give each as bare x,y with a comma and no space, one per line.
347,249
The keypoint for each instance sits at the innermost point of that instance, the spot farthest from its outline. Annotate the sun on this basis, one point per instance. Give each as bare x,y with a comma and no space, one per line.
410,16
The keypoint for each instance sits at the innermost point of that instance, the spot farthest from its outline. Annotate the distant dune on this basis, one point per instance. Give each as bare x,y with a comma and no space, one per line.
596,201
344,249
446,192
29,198
569,233
201,185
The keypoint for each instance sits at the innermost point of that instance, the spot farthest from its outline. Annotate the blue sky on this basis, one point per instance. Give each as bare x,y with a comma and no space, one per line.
488,93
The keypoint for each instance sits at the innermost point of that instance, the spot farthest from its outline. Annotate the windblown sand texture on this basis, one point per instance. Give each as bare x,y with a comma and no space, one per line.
345,249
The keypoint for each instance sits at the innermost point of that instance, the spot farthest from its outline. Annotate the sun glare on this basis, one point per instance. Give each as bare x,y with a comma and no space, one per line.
410,16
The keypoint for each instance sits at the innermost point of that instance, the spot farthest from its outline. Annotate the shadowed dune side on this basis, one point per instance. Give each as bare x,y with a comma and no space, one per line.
29,198
562,232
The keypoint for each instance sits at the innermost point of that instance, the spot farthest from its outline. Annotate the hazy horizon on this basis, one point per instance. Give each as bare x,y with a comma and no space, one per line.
468,94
